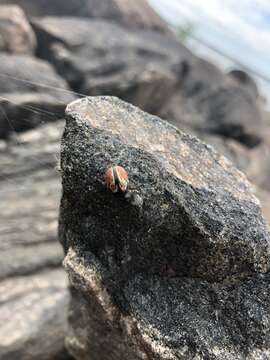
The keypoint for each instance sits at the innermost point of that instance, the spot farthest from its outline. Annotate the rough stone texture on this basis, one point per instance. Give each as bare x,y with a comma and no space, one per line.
182,273
33,311
29,202
33,289
31,93
16,34
253,162
142,67
223,114
136,14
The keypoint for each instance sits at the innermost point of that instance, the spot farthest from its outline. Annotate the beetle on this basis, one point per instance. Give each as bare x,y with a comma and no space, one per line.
116,179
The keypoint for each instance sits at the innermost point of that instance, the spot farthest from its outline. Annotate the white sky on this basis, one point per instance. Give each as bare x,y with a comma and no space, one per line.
240,28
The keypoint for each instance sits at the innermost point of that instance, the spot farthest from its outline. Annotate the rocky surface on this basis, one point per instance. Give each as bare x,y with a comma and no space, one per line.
31,93
178,267
142,67
202,78
33,288
232,113
123,48
129,13
33,316
243,78
16,34
213,104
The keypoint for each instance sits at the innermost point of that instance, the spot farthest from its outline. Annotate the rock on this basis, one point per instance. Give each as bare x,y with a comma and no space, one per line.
33,287
16,34
188,107
244,79
202,78
237,153
253,162
259,167
137,14
264,197
31,93
181,112
209,103
33,316
19,112
180,274
21,73
29,202
233,113
142,67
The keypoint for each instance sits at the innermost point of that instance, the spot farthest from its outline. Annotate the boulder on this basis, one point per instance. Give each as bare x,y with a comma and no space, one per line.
34,316
22,73
16,34
188,107
31,93
236,152
174,268
29,206
202,78
33,287
137,13
259,168
245,80
99,57
211,103
234,113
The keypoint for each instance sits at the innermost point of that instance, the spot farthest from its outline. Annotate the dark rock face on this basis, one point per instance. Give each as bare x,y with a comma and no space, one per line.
244,79
142,67
31,93
16,34
198,320
203,77
33,287
137,14
178,274
234,113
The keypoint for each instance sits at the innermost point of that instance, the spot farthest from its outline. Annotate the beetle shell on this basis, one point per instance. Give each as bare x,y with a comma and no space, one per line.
116,179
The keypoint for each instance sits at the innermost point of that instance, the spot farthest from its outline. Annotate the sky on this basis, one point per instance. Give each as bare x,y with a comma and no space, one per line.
239,28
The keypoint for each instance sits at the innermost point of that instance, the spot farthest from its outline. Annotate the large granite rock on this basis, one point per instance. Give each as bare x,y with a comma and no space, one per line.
131,13
31,93
178,267
16,34
99,57
33,287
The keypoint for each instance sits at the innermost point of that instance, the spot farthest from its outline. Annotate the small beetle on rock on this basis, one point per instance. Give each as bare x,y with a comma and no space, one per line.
116,179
